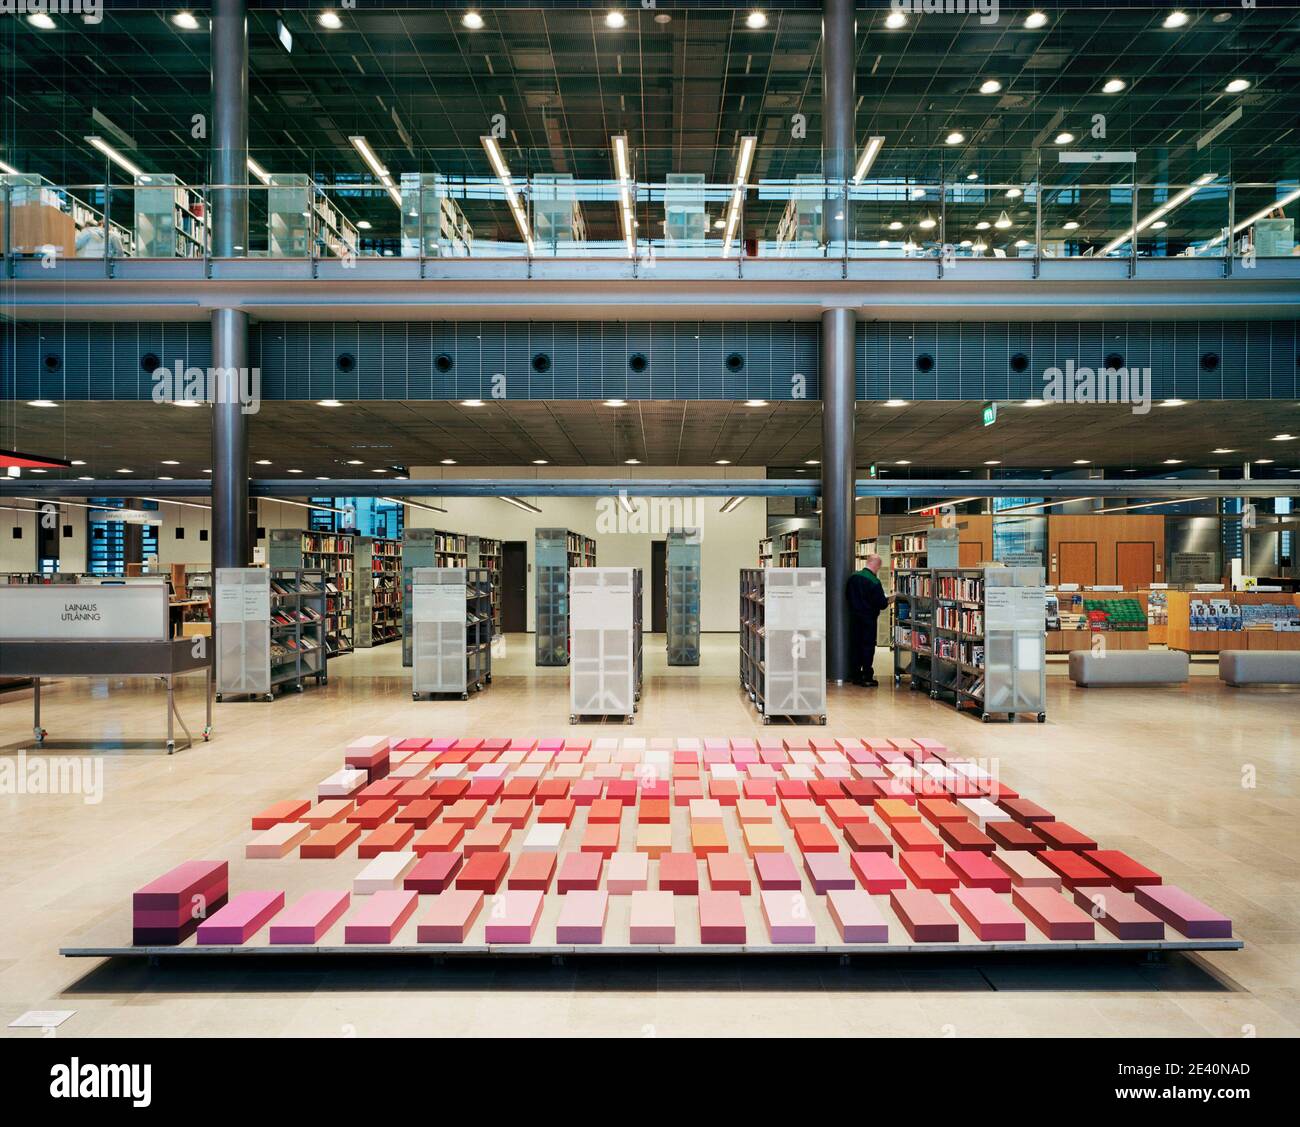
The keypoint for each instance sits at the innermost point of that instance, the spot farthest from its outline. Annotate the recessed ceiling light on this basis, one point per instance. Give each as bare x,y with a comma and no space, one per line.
78,462
329,403
448,461
539,462
41,20
1159,225
295,471
38,469
1173,461
263,461
1072,225
615,19
719,224
1237,85
1175,19
1022,242
1114,86
663,17
41,403
990,86
723,462
187,402
1083,461
615,402
1014,193
351,462
1064,138
1174,403
471,403
982,225
363,224
170,462
993,462
1263,461
1284,437
321,477
902,462
187,20
756,20
1035,20
207,471
1222,450
895,403
927,223
954,138
632,462
379,469
895,226
755,402
895,20
330,20
973,176
1034,403
472,20
125,471
813,462
161,477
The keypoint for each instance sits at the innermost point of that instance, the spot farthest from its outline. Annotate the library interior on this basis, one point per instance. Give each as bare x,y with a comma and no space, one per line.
786,512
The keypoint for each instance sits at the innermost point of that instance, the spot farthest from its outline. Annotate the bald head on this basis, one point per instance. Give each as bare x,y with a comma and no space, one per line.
873,564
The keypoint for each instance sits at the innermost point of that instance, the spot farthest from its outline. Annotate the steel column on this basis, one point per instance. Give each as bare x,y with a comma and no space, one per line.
229,136
838,135
229,441
838,484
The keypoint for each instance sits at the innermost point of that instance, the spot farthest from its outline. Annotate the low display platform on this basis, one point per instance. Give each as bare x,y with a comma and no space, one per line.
792,846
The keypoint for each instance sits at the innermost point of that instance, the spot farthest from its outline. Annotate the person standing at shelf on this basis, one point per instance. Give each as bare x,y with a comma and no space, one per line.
866,598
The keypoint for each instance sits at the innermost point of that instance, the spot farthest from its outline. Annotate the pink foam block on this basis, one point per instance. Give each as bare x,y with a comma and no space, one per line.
856,916
679,873
877,872
1119,913
241,918
923,915
728,873
580,871
1026,869
788,918
1183,912
977,870
433,872
279,841
582,917
628,873
450,916
722,917
653,918
381,917
174,889
1051,913
987,915
307,919
827,871
513,916
777,871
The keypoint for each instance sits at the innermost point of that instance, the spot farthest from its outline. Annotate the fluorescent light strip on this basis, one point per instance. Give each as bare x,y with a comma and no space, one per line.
868,158
302,504
743,163
623,170
1152,504
520,503
731,504
9,169
113,155
512,197
258,171
1262,213
940,504
413,504
381,173
1163,210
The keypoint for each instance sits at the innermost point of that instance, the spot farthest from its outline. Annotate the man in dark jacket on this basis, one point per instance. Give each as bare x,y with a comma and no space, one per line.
866,598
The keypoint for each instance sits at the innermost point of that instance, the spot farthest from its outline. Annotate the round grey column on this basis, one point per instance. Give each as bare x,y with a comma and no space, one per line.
228,160
838,379
229,440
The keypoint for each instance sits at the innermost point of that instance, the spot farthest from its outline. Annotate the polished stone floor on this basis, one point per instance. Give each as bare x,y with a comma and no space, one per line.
1199,782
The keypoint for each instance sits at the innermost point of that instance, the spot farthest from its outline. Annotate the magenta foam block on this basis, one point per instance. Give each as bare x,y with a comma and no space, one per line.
856,916
827,871
989,916
722,917
922,915
381,917
653,918
450,916
1119,913
175,888
1183,912
1051,913
513,916
877,872
433,872
307,919
777,871
582,917
240,919
788,918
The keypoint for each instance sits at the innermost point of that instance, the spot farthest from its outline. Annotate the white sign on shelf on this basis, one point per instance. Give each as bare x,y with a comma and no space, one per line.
68,612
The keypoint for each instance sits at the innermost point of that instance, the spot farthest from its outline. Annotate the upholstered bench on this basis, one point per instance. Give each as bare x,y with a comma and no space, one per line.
1260,667
1128,667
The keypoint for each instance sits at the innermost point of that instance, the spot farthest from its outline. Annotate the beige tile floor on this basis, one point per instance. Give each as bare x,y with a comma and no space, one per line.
1158,773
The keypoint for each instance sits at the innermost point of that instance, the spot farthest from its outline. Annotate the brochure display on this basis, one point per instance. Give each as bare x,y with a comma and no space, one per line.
783,640
683,577
451,623
605,641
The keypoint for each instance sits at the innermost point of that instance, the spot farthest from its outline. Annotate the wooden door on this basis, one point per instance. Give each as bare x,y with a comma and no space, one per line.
658,586
1077,562
1135,564
970,553
514,587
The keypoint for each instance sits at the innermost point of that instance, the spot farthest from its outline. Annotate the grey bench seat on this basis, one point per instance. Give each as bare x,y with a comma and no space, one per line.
1128,667
1259,667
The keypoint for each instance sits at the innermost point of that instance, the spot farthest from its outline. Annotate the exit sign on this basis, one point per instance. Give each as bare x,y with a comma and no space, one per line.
989,414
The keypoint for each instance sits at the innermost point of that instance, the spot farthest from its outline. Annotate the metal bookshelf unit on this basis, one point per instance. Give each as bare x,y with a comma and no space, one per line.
783,641
426,547
683,577
974,636
556,552
378,591
605,640
485,552
270,630
799,547
924,547
451,623
330,552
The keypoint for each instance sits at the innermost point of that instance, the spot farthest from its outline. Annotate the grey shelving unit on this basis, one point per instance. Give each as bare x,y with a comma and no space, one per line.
330,552
555,552
783,641
426,547
485,552
451,624
683,563
270,630
605,642
378,591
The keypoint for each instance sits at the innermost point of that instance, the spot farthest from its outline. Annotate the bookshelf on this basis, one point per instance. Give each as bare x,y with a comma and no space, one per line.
605,642
556,551
1210,621
783,641
171,219
485,552
433,224
43,215
876,546
682,555
378,586
331,553
800,547
426,547
270,630
924,548
451,627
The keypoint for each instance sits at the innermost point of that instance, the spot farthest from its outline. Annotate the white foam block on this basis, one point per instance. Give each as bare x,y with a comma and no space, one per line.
543,837
385,872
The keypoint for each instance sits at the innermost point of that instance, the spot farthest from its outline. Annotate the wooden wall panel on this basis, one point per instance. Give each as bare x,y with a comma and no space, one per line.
1107,532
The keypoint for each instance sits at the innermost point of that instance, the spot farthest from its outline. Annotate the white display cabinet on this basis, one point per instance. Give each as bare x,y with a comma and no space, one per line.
451,625
783,640
604,641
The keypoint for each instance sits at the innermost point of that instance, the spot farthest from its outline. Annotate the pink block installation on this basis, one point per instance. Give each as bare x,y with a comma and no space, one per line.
450,917
1052,914
308,918
728,873
582,917
1183,912
877,872
856,916
514,916
580,871
279,841
827,871
777,871
241,918
988,915
381,917
653,918
923,916
788,918
628,873
722,917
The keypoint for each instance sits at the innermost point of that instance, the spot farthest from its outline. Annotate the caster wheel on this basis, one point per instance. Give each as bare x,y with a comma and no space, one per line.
207,733
572,718
1042,717
630,720
297,688
269,697
415,696
984,719
489,678
822,720
464,696
324,681
218,698
767,720
934,696
171,747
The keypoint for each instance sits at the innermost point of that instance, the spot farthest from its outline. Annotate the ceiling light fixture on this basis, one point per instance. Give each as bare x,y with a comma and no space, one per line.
623,170
1173,403
631,461
1173,461
376,166
990,86
1014,193
868,157
471,403
363,224
329,403
263,462
1284,438
956,137
1034,403
1035,20
330,20
1072,225
723,462
1064,138
41,20
520,503
1222,450
540,462
471,20
1237,85
1175,19
993,462
743,162
498,163
1163,210
895,20
615,19
1114,86
295,471
731,504
895,226
258,171
117,158
615,402
448,461
41,403
756,20
188,20
894,403
351,462
755,402
1003,221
